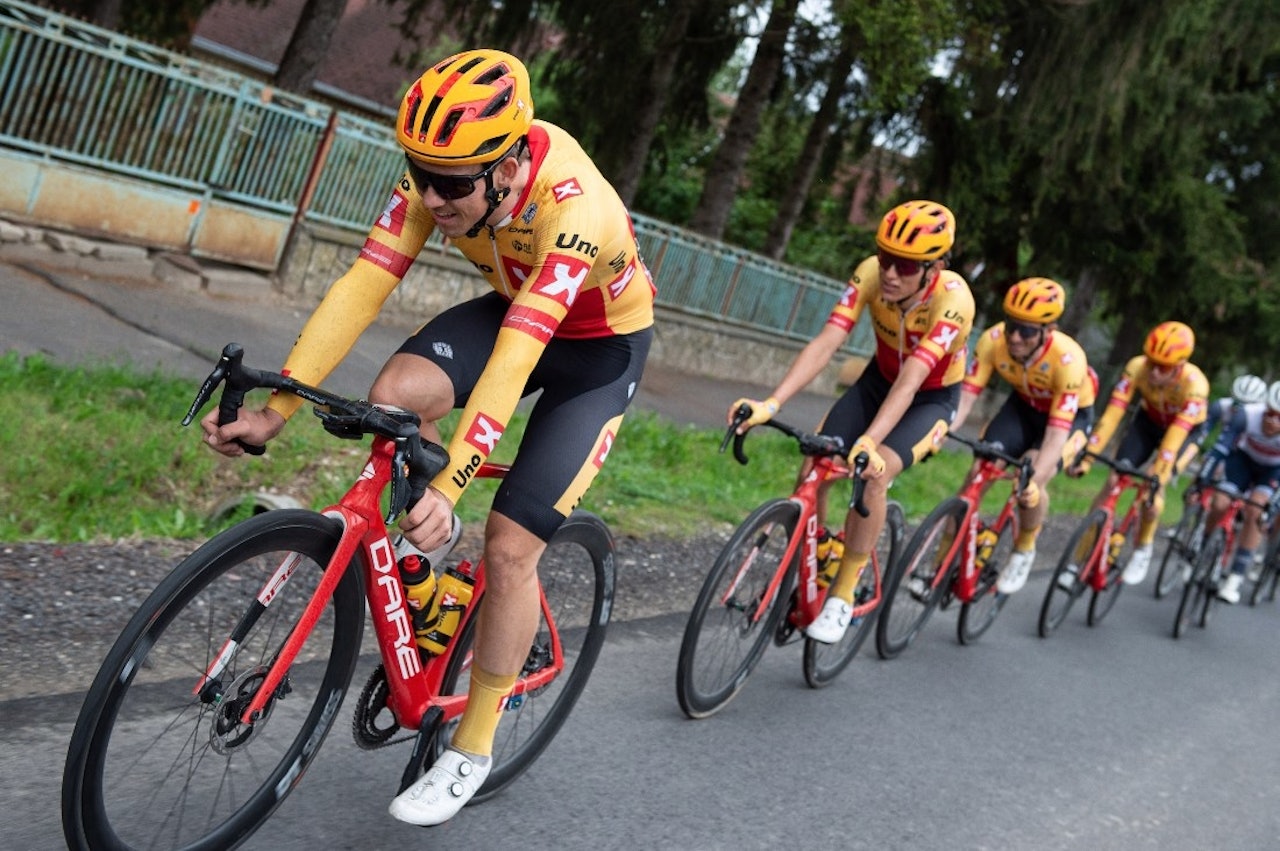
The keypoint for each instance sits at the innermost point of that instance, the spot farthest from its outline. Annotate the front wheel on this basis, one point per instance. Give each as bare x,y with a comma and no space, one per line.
160,757
1069,577
1104,598
1180,552
735,616
577,575
1196,591
920,578
977,616
823,662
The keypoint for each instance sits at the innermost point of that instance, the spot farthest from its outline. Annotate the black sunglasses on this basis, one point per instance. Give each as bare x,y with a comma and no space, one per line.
906,266
1025,330
450,187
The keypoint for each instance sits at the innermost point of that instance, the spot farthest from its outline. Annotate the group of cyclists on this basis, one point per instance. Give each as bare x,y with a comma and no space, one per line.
917,387
571,318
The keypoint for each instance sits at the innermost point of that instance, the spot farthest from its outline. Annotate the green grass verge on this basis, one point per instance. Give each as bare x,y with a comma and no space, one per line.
99,454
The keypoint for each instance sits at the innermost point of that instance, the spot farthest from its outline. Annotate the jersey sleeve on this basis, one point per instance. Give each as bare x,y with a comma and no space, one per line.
1117,404
980,368
353,302
1195,402
854,298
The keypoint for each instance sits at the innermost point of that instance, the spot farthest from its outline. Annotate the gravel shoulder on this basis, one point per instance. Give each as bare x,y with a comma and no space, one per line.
62,605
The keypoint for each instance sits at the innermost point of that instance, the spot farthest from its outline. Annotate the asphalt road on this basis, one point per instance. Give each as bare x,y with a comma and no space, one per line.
1110,738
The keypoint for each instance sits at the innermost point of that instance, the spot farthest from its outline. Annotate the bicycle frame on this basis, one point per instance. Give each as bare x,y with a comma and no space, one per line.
1098,566
964,582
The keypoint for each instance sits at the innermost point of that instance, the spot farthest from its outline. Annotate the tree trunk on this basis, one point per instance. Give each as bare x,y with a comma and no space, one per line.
107,13
308,45
636,150
792,202
720,183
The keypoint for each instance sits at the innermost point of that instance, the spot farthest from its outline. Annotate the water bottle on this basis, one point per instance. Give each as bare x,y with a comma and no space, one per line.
985,544
419,587
453,593
830,551
1114,546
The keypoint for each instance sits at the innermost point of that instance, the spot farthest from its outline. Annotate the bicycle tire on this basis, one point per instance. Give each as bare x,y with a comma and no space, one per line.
1264,590
977,616
1104,598
142,721
1194,591
903,614
577,572
824,662
723,640
1076,560
1178,554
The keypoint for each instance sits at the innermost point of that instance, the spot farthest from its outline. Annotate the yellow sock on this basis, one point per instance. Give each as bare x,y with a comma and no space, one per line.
479,723
1026,540
850,572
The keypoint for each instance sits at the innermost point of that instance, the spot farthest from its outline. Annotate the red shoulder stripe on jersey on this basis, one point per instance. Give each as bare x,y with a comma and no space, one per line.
385,258
538,324
840,321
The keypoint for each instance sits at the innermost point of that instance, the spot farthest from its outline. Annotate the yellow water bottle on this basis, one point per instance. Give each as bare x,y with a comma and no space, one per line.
1114,546
453,593
419,591
830,552
985,544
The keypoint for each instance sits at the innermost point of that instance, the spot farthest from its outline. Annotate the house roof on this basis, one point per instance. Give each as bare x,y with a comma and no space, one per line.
360,62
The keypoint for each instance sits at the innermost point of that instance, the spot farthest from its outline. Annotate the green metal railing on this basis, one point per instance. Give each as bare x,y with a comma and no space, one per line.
74,92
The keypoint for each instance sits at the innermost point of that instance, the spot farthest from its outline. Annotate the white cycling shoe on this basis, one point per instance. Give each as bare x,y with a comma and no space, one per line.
443,791
1229,591
832,621
1015,572
1136,570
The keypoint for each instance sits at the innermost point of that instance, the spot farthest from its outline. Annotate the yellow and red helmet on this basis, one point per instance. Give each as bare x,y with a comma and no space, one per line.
468,109
1169,344
917,230
1036,300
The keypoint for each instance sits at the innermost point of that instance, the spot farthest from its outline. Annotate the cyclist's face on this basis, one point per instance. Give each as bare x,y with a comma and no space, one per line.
1161,375
1022,338
1271,423
446,195
895,284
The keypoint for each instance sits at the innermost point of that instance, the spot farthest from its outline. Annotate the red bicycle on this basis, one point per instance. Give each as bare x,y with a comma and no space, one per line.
1097,547
1211,561
765,583
955,555
1185,537
220,690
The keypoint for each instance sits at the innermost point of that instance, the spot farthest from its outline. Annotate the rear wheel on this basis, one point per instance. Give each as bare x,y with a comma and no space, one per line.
1069,577
577,575
734,617
161,756
1264,590
823,662
920,579
977,616
1179,553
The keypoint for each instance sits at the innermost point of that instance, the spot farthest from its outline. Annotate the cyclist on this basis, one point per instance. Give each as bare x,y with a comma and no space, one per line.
1049,412
1251,467
1173,395
1244,390
571,315
898,409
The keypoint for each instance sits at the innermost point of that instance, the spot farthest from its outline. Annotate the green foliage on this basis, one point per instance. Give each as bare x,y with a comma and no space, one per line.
98,454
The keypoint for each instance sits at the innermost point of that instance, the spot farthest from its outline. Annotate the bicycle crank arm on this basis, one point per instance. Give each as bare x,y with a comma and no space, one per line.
426,734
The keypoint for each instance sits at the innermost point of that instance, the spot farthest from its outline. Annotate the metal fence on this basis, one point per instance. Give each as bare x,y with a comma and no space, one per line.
74,92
